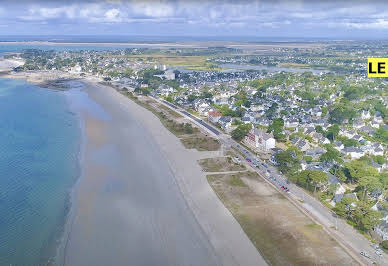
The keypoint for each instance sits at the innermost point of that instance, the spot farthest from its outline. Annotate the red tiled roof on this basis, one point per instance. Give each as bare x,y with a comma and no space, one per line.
214,113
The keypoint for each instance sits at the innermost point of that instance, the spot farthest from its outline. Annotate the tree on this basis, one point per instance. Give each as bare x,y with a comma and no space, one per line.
382,135
332,132
319,129
312,177
241,131
384,183
277,128
287,163
368,183
188,128
340,172
359,168
365,217
318,178
384,244
331,155
380,159
191,98
346,208
270,113
353,93
341,113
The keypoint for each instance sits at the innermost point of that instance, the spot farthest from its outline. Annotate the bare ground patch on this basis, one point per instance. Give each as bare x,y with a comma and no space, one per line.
282,234
220,164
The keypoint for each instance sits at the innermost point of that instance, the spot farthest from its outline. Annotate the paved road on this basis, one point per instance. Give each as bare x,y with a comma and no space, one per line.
200,121
346,234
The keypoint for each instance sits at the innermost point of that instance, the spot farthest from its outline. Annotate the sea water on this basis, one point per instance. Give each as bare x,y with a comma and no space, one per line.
39,149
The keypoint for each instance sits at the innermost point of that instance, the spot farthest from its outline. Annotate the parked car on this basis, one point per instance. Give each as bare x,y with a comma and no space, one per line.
365,254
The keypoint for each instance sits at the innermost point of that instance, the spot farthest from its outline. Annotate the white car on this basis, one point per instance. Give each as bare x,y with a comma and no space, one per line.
365,254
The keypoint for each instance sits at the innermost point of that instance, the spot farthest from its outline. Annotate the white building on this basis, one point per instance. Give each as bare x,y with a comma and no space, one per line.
260,140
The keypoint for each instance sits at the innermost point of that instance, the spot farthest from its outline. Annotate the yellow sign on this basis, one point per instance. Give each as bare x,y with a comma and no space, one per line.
377,67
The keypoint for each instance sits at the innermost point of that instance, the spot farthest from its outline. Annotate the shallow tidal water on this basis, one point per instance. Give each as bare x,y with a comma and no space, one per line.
39,149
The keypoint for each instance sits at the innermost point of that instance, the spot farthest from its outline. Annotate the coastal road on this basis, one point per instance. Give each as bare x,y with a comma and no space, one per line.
347,236
130,209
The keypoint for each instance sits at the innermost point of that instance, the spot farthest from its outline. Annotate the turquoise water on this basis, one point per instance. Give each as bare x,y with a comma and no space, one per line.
39,147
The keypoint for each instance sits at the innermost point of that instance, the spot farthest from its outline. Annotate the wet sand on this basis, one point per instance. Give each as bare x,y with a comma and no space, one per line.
143,199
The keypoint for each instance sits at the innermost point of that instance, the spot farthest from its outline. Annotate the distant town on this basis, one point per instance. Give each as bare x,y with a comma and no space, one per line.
311,112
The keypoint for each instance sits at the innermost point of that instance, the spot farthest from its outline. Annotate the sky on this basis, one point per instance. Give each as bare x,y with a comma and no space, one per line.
212,18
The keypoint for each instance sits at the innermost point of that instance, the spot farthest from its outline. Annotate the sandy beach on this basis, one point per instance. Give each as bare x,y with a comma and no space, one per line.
9,64
142,198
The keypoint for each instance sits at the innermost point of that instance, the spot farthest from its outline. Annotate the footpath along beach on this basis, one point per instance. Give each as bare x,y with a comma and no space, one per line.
142,198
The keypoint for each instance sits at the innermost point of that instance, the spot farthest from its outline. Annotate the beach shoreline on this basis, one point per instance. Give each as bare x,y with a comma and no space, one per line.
225,234
60,258
227,242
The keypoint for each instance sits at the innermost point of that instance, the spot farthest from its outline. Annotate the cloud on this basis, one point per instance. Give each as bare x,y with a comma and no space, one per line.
152,9
50,13
246,17
112,15
376,24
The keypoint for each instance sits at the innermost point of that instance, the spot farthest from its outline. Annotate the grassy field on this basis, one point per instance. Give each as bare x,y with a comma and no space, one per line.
281,233
293,65
188,62
171,112
220,164
201,143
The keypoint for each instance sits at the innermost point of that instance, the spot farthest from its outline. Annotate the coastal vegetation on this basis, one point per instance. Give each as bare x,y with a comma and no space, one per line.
190,136
220,164
262,212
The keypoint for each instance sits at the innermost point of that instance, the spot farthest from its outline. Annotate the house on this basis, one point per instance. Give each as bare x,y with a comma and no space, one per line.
262,121
374,124
303,145
291,123
368,130
309,130
317,136
214,116
377,194
378,119
225,122
353,152
365,115
260,140
338,197
324,140
246,119
333,180
358,138
378,151
338,145
201,106
315,152
382,229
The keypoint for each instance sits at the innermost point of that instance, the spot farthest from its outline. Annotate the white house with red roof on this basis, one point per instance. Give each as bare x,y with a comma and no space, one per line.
214,117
